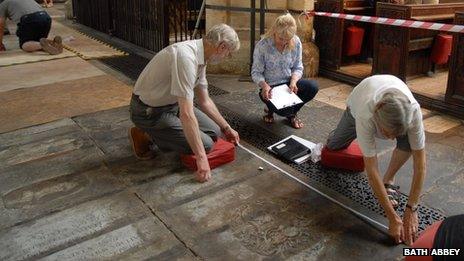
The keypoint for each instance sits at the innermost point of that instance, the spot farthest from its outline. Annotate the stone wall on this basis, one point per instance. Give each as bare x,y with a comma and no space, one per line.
240,21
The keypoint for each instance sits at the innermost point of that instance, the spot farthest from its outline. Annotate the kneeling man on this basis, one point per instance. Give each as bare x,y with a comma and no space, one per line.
382,106
162,106
33,26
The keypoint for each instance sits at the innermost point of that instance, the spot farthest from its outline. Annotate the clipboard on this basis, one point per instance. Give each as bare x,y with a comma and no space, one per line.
283,97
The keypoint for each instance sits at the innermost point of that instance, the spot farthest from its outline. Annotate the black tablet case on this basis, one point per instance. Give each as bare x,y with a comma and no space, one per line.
290,150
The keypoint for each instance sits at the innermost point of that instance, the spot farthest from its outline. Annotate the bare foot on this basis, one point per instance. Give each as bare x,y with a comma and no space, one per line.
268,117
295,122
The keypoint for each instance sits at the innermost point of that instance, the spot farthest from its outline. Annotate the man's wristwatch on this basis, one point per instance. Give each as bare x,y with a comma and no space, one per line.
413,208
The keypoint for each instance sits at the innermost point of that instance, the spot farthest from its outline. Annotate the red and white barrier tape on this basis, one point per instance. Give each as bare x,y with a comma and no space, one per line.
452,28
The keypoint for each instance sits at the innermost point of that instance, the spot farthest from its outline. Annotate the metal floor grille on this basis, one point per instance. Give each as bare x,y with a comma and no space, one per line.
132,65
215,91
354,186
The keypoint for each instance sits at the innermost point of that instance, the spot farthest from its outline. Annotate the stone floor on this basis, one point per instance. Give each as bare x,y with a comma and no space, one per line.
72,190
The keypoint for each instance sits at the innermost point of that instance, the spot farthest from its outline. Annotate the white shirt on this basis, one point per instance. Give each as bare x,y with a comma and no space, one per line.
362,101
174,72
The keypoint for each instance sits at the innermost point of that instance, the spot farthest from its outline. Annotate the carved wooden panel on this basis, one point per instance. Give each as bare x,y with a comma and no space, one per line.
329,34
391,43
455,89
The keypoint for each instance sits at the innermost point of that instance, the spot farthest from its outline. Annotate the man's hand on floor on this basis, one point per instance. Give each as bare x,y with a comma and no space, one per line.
203,173
232,135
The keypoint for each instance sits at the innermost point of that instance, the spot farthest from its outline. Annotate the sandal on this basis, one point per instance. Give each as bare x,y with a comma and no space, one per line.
268,117
295,122
393,194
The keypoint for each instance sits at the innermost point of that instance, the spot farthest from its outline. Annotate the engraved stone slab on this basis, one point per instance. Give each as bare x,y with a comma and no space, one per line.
32,172
151,252
270,216
109,129
38,132
180,186
47,147
23,202
135,172
71,226
128,242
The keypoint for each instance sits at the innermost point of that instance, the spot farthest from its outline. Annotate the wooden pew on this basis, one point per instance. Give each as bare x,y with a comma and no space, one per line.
402,51
329,31
455,87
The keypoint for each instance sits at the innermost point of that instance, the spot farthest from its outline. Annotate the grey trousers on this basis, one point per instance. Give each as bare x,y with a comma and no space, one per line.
165,128
345,133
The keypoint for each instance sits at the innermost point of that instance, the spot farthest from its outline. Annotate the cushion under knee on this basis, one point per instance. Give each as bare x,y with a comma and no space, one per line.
222,152
350,158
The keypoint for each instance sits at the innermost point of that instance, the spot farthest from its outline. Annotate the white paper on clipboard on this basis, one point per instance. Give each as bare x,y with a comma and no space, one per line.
310,145
283,97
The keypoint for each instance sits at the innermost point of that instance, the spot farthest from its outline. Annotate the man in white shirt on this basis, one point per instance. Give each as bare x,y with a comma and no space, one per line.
162,106
382,106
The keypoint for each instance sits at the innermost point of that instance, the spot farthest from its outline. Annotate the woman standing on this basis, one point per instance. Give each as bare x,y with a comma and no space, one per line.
277,60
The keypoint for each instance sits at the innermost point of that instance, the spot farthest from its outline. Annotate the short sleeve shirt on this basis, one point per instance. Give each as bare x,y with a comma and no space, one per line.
362,101
173,72
15,9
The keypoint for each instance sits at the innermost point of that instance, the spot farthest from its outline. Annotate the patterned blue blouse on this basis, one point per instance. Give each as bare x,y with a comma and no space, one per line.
273,66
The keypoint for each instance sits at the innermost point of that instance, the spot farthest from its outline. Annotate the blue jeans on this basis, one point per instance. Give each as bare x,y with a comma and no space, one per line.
307,89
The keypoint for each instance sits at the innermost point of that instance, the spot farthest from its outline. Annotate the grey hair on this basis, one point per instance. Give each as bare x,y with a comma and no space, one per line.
222,33
393,112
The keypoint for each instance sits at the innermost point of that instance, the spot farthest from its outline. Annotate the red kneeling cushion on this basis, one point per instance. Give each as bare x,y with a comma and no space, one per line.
352,41
441,49
425,240
350,158
222,152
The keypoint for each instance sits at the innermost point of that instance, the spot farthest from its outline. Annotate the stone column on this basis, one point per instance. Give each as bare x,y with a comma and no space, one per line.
240,21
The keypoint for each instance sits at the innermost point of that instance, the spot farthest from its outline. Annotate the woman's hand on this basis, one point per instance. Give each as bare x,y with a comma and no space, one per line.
410,226
395,230
266,91
293,87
